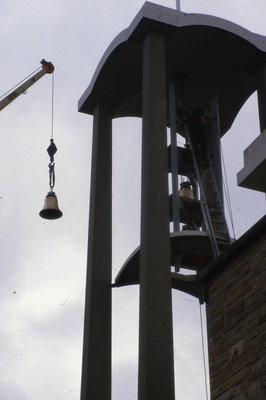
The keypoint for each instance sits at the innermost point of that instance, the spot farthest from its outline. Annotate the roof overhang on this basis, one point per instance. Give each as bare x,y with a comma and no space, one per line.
208,55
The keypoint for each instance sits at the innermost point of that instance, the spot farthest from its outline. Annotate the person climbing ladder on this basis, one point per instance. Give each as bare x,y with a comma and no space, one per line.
197,131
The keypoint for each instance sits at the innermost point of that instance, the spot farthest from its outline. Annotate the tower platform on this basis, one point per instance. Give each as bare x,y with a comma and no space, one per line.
195,254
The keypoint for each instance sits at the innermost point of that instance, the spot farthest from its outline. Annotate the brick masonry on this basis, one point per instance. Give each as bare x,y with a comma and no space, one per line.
236,318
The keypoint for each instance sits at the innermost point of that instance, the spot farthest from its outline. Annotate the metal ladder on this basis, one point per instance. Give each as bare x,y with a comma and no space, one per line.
210,201
211,205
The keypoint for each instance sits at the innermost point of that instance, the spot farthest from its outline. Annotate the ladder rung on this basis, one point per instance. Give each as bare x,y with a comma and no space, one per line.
220,233
223,242
215,211
215,214
222,239
211,202
208,181
211,190
217,221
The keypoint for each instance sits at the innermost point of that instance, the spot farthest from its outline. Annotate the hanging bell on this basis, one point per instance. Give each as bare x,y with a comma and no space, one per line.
50,209
185,190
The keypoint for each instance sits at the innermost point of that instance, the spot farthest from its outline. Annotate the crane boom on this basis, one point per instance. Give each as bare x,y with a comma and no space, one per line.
47,68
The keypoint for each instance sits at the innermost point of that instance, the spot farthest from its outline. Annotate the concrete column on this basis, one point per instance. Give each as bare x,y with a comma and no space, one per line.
156,369
261,91
96,365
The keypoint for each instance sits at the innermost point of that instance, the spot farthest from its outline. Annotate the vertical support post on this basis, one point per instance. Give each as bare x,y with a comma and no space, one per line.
261,92
216,146
174,156
156,366
174,168
178,7
96,364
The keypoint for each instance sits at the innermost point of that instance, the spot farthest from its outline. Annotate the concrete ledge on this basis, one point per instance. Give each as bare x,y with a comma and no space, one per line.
252,176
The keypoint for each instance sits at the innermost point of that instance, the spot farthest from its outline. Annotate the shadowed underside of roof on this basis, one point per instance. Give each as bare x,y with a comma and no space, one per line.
205,55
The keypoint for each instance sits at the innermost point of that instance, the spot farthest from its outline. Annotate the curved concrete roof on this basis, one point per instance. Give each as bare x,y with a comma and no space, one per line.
208,54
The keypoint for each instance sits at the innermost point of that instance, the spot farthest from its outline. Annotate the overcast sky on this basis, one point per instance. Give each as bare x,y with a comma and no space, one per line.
43,263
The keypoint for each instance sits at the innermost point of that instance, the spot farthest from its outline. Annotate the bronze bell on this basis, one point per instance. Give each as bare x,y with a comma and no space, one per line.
185,190
50,209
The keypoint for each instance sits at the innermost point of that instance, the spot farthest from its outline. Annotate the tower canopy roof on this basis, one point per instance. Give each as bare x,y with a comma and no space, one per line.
205,56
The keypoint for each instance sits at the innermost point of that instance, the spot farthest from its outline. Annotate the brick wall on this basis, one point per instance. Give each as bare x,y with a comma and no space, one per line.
236,318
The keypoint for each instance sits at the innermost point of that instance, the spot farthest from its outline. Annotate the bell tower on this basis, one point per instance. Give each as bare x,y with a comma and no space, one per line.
189,73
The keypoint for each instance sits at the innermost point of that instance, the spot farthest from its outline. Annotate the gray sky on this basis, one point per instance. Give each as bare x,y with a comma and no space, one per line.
42,262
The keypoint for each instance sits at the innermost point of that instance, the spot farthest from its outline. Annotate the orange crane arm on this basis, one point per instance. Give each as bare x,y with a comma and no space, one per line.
47,68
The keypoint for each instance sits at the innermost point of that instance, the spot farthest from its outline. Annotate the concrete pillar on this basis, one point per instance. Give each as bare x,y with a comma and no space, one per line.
96,365
156,368
261,91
